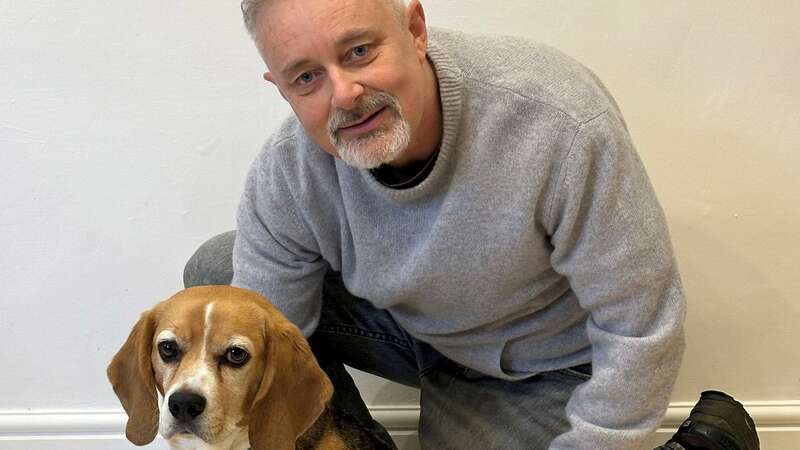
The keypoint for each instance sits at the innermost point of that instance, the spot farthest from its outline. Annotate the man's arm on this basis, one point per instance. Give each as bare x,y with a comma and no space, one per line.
273,253
610,240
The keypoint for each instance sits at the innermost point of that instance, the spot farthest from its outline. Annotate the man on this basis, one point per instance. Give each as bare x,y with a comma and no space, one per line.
462,214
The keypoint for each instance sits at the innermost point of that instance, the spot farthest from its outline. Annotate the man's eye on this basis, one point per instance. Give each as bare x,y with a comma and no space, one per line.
305,78
168,350
360,51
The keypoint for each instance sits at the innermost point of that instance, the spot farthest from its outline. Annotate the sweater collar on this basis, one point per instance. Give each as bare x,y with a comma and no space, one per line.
450,81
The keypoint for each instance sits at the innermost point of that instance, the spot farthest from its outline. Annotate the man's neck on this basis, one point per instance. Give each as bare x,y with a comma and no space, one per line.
427,138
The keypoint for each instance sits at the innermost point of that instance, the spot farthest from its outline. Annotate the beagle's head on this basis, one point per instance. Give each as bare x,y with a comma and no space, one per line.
231,372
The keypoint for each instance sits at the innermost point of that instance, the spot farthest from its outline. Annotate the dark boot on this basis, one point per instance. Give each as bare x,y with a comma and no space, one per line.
717,422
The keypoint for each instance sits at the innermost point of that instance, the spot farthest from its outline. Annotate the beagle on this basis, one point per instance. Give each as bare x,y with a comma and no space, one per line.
232,373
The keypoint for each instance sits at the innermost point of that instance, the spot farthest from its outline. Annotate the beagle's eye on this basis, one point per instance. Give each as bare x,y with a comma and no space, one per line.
236,356
168,350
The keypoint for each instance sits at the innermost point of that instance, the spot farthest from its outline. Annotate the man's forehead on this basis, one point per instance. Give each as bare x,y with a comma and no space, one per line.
285,23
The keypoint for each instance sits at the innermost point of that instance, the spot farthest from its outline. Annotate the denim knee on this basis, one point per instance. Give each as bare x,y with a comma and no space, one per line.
212,263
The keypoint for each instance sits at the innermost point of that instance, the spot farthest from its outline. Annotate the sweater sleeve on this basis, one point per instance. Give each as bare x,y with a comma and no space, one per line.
274,254
610,240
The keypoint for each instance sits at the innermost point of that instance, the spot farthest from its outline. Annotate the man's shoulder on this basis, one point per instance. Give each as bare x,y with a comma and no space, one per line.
288,145
289,155
526,68
289,134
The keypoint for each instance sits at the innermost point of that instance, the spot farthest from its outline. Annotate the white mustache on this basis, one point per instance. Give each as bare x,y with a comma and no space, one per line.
368,105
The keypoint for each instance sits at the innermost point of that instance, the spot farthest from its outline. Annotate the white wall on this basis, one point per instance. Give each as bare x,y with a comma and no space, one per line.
126,129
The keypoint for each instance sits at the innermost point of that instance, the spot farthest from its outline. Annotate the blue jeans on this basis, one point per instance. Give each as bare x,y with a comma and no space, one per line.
459,407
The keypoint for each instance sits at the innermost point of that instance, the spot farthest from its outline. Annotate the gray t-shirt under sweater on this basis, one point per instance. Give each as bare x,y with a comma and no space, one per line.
535,243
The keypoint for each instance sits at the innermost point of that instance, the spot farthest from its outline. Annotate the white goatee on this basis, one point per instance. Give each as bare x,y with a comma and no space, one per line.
377,147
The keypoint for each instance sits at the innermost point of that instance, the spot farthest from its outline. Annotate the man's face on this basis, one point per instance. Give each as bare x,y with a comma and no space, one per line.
353,72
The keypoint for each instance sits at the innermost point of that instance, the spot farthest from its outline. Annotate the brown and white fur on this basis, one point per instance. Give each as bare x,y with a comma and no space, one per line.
232,373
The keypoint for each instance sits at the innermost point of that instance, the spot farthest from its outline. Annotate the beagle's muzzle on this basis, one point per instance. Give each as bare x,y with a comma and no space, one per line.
232,373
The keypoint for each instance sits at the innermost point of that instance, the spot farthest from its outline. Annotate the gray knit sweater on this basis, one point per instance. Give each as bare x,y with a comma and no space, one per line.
536,243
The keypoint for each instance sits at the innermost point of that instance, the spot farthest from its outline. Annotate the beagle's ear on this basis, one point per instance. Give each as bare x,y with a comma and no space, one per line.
131,375
293,392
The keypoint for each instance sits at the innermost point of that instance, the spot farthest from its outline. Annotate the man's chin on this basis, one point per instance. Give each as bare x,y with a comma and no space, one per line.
376,148
363,157
366,164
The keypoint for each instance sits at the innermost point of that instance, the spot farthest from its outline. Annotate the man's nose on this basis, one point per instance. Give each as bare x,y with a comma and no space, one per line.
346,90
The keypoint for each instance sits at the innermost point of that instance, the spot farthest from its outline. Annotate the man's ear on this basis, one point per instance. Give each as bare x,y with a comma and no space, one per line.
131,376
415,20
268,76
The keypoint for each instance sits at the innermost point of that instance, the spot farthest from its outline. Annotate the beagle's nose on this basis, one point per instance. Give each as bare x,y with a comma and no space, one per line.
185,406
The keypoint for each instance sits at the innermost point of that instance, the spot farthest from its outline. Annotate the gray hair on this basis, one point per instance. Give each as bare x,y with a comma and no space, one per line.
250,10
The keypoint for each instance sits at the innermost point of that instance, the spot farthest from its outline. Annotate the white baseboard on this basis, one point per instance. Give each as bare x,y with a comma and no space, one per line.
778,423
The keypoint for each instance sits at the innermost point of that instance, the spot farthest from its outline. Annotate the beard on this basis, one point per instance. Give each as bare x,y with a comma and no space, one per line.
379,146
